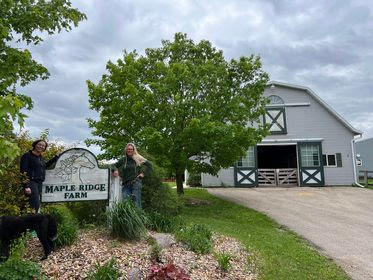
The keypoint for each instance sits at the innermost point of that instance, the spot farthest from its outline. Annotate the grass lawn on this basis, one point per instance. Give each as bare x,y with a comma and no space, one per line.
280,253
170,184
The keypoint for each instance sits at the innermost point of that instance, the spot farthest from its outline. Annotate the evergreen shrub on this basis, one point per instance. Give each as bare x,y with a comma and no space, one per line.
157,197
194,180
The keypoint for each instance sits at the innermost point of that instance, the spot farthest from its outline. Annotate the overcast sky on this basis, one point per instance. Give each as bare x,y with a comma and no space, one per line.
324,45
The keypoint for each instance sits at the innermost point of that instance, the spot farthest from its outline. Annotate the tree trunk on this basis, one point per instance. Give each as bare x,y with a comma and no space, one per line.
179,183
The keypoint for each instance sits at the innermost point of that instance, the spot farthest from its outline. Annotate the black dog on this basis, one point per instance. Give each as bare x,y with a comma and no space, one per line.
12,228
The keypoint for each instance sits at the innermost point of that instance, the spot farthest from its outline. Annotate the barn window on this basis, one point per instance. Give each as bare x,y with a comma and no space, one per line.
275,118
310,155
275,115
274,99
248,160
332,160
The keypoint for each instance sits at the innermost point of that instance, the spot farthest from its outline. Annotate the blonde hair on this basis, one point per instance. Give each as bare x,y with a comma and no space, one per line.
139,159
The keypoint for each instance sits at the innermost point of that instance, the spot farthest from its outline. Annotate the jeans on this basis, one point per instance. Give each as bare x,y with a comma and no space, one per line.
34,199
133,189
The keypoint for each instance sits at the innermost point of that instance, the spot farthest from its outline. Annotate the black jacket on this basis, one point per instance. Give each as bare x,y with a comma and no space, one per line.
34,166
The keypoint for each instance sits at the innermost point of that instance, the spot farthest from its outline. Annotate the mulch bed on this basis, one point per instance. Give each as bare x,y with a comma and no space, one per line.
97,246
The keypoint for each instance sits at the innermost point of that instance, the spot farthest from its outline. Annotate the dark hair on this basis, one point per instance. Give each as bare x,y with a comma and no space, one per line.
37,141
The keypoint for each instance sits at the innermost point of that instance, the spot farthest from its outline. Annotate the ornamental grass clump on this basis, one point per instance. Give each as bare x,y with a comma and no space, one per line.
224,261
127,221
108,271
198,237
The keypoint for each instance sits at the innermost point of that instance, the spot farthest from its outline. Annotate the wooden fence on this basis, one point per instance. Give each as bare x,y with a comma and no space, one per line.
366,178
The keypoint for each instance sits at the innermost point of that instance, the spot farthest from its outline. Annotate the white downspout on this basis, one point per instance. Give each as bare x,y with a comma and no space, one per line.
356,179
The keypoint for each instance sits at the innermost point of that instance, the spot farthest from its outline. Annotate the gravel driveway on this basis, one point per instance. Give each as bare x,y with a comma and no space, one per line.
338,220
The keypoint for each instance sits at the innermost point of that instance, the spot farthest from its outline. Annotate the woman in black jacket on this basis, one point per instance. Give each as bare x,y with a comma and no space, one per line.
33,166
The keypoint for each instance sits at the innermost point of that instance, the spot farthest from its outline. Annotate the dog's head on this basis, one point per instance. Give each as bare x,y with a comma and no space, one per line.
52,228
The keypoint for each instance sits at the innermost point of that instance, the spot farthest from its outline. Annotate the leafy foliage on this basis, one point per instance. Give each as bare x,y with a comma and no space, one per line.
197,237
169,271
157,197
89,212
194,180
17,269
21,22
108,271
67,224
183,103
127,221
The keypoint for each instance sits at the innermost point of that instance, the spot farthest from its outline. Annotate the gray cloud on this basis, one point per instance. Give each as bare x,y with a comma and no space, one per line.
325,45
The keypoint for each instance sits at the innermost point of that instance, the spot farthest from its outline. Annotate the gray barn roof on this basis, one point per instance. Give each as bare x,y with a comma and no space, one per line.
321,102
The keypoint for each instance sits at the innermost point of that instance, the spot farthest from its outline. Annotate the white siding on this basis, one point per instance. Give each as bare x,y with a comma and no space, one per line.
313,121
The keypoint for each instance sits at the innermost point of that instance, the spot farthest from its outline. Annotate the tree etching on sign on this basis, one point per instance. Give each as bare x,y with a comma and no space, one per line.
70,168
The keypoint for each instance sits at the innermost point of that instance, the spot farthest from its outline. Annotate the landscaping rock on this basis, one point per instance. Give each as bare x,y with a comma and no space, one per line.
134,274
164,240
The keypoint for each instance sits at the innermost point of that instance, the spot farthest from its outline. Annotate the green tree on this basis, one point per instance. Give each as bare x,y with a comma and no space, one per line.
23,21
183,103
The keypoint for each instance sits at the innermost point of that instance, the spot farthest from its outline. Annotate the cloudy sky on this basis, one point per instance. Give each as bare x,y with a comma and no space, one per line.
324,45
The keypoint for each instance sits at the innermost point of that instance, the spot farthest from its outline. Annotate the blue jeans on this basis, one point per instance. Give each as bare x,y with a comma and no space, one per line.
133,189
34,199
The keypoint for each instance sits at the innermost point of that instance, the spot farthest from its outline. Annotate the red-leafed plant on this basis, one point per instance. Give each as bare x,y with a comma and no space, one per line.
169,271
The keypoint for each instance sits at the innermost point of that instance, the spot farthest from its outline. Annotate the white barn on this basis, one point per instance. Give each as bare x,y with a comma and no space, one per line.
310,145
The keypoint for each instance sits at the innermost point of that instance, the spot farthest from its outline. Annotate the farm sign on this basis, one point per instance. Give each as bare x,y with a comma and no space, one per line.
76,177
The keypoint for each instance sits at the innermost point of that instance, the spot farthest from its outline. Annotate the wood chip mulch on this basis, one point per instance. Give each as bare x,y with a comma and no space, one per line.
97,246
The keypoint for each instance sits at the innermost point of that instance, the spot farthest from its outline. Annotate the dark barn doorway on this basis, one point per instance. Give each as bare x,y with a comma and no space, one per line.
277,165
277,156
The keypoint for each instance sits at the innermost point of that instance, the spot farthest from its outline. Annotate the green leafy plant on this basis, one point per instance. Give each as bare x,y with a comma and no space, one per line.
169,271
194,180
67,224
198,237
17,269
89,212
157,197
224,260
127,221
164,223
108,271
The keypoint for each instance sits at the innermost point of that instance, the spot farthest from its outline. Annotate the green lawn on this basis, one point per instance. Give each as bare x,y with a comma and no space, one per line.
170,184
279,253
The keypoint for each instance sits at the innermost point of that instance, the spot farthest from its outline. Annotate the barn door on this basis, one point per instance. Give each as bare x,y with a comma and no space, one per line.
246,170
311,169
